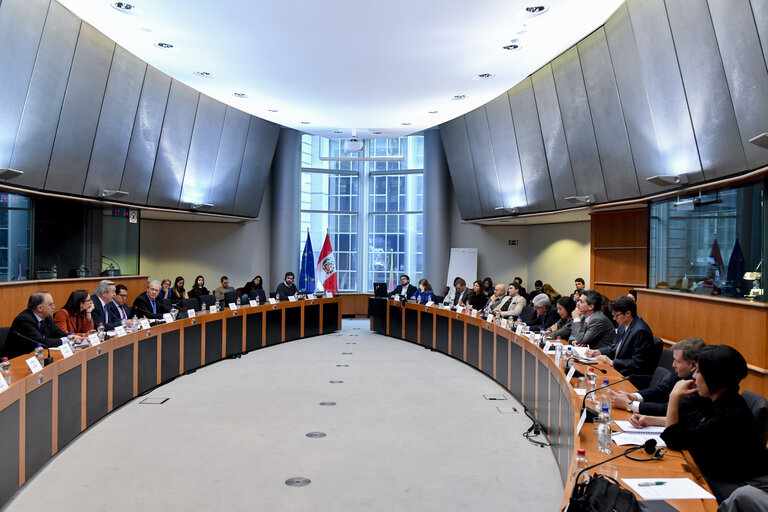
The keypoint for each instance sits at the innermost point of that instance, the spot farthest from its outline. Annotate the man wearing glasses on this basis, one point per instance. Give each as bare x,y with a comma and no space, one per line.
118,308
34,325
634,352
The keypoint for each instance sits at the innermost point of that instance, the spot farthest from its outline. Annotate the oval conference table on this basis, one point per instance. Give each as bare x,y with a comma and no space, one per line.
40,413
532,377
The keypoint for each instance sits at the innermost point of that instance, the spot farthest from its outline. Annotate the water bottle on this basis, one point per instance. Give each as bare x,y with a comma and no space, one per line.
202,308
238,302
134,323
101,332
257,300
604,395
604,431
569,355
579,463
174,313
559,354
591,384
277,297
39,353
71,339
5,366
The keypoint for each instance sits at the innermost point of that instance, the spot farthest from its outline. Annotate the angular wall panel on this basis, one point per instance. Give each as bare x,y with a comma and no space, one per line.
80,112
118,113
257,161
511,186
459,156
229,160
486,179
202,151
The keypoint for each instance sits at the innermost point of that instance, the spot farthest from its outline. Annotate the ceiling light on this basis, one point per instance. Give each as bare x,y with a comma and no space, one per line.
124,7
535,10
376,133
483,76
202,73
589,199
305,122
9,174
112,194
761,140
337,131
164,46
406,124
460,97
273,110
664,180
433,111
513,45
239,95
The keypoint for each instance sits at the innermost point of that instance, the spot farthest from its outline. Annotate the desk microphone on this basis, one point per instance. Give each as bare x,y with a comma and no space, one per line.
591,413
585,363
48,360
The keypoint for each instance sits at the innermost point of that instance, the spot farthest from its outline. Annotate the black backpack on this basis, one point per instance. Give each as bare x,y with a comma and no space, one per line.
602,494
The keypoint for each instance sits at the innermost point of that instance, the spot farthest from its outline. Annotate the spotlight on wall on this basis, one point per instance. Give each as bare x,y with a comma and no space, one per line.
664,180
761,140
200,206
590,199
112,194
509,211
9,174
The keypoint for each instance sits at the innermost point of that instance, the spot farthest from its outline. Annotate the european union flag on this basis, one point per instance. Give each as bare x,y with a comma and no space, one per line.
307,273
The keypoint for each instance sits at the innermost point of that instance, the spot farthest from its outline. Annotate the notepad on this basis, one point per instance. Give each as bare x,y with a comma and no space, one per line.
623,439
667,489
627,428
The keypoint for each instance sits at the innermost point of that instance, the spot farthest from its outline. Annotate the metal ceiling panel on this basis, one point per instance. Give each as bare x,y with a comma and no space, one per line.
148,123
664,88
203,150
740,49
577,124
21,27
638,114
760,12
607,118
118,113
530,145
457,152
257,162
483,162
173,149
229,160
34,142
80,112
706,89
511,187
553,134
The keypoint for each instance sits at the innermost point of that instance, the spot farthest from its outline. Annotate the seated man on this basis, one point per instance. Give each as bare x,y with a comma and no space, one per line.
103,295
118,308
147,305
224,288
286,288
653,400
634,352
461,293
546,315
591,327
34,325
404,289
497,300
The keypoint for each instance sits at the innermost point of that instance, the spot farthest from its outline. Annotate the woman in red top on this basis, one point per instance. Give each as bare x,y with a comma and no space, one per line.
75,316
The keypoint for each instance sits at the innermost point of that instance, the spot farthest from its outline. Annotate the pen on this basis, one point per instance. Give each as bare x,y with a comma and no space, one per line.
650,484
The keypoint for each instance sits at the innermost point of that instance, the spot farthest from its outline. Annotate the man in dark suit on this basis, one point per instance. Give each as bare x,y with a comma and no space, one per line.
590,326
461,293
546,315
404,289
103,295
146,305
118,308
34,325
634,351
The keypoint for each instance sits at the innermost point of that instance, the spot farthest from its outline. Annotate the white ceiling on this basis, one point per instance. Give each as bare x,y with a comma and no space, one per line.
339,65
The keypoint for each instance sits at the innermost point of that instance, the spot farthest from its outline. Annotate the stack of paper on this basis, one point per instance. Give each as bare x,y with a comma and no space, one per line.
667,489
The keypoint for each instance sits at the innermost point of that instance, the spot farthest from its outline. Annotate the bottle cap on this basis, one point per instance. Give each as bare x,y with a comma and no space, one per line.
581,451
605,408
5,359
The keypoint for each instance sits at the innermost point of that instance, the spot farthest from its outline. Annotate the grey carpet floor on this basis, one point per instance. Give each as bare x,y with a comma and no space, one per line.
410,430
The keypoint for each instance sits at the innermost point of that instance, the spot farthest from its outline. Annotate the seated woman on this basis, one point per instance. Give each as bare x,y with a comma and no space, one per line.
488,287
477,298
708,417
254,289
165,290
75,316
562,328
198,289
425,293
553,294
514,306
177,291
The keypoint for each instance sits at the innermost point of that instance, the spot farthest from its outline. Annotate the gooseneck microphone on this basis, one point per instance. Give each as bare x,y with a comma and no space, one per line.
591,413
579,489
48,360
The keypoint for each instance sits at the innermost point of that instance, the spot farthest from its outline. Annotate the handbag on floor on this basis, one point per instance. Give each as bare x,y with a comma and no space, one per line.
602,494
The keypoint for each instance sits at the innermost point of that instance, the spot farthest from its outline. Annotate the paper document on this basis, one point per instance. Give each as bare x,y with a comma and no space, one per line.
629,429
636,439
667,489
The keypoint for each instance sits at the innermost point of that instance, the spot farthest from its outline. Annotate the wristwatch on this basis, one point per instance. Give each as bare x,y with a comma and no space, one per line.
629,406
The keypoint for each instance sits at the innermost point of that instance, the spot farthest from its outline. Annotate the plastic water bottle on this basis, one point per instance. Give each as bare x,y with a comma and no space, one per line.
559,354
277,297
604,431
71,339
591,385
604,395
257,300
579,463
202,307
174,313
101,332
569,354
134,323
39,353
5,366
238,302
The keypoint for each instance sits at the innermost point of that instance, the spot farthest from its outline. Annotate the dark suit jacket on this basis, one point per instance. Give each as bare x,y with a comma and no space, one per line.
461,296
656,398
26,324
143,308
551,317
114,313
638,354
410,291
599,332
97,315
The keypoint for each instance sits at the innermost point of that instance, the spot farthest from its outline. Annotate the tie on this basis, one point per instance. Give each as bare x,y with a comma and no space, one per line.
154,308
106,314
40,326
122,312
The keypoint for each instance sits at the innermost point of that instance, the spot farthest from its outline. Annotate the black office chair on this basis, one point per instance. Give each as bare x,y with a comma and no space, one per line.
166,303
231,297
528,314
437,299
3,336
272,295
667,356
208,300
191,303
253,294
759,407
659,374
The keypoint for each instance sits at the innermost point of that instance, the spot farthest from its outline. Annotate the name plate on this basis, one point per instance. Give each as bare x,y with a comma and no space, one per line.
570,373
191,313
93,339
272,300
504,322
168,317
474,313
547,346
144,323
396,297
328,295
252,303
460,309
430,303
519,330
214,309
120,330
65,350
490,317
582,419
232,306
34,365
291,298
3,384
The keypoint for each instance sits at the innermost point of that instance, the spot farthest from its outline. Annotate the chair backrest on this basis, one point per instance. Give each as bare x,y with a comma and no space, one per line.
191,303
3,337
231,297
759,407
437,299
658,375
209,300
166,303
667,356
528,314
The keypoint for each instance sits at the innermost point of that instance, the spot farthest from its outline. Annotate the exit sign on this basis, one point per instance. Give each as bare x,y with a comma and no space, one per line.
512,242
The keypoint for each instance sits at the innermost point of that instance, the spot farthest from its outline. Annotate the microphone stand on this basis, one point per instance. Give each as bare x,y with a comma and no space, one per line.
591,413
48,360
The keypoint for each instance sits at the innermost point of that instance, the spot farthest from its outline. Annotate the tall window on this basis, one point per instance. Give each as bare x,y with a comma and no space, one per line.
380,236
15,237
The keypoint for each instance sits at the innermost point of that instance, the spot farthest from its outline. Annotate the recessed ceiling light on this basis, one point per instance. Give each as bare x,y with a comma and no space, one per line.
239,95
483,76
513,45
305,122
337,131
124,7
164,46
273,110
406,124
535,10
460,97
433,111
146,29
202,73
376,133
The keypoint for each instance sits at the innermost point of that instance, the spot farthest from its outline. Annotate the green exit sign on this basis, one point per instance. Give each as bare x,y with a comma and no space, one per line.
512,242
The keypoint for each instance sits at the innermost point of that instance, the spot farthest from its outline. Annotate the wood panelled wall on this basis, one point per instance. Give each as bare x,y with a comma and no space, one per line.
619,249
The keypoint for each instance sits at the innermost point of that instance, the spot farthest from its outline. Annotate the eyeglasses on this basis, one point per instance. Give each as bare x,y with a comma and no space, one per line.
125,296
